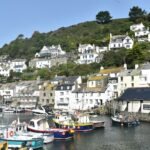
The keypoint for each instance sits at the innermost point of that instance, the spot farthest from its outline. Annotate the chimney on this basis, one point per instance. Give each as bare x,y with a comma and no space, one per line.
136,66
101,68
125,66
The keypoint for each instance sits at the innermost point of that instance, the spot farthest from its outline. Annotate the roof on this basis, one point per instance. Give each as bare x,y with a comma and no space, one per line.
130,72
96,78
118,38
111,70
71,79
145,66
136,94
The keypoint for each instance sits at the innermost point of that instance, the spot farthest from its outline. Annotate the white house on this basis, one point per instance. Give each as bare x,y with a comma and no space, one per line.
64,98
136,100
50,51
18,65
7,91
47,62
120,41
5,70
89,53
139,30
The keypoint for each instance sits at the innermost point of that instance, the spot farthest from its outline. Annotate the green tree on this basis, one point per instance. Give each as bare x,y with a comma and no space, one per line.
136,14
103,17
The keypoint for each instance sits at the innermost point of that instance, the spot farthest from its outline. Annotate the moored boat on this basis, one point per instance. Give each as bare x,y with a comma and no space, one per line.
78,122
41,125
17,141
123,120
20,128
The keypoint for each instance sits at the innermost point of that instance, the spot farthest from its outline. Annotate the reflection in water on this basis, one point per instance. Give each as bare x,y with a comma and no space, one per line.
108,138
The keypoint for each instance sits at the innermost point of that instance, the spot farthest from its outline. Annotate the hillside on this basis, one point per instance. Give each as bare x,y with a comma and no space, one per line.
68,37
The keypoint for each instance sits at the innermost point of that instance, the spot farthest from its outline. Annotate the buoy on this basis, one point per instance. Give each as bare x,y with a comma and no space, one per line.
11,133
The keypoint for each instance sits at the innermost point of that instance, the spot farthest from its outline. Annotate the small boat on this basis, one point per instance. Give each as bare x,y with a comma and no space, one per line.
8,135
8,110
1,112
41,110
124,120
21,129
78,122
19,110
41,125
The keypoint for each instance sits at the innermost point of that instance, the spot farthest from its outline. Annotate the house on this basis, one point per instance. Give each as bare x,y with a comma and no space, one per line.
7,91
135,100
18,65
50,51
95,94
27,94
120,41
137,77
47,94
89,54
139,30
64,98
5,70
47,62
136,27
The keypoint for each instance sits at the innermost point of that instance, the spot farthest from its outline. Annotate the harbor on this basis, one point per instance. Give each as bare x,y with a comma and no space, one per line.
108,138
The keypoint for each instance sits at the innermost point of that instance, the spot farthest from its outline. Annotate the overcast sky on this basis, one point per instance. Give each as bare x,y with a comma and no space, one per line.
26,16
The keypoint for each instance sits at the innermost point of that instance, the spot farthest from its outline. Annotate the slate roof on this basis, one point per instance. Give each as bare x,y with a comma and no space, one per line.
118,38
64,87
136,94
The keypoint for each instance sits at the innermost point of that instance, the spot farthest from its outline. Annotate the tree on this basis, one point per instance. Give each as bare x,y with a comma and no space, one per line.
137,14
103,17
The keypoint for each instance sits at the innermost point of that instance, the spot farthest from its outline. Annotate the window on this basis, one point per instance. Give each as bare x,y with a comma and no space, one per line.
132,84
121,78
44,94
61,93
132,78
91,101
47,101
61,100
51,94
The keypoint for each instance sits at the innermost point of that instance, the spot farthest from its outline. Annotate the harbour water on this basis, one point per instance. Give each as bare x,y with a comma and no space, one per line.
108,138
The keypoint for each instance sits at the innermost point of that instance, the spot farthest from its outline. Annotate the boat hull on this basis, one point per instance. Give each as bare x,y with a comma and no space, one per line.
59,134
124,123
17,143
76,127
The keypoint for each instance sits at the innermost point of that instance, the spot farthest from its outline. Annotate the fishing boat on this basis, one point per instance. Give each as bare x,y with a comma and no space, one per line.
125,120
7,134
78,122
20,128
41,125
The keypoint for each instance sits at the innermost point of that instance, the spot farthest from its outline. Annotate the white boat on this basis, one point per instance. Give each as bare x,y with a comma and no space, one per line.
8,110
41,110
7,134
21,129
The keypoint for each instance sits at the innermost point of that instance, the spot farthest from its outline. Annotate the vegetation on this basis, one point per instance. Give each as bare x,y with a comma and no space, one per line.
136,14
94,32
103,17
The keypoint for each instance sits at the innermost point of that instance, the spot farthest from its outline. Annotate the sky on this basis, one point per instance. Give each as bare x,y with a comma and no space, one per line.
26,16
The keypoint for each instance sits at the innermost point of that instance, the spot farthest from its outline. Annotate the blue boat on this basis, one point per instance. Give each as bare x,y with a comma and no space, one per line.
40,125
17,141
